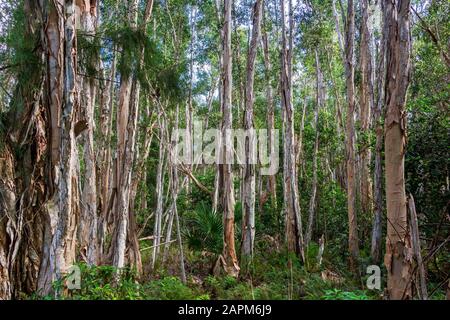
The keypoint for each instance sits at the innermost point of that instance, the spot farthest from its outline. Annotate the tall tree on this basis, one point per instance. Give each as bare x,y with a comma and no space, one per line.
25,175
378,169
62,207
320,96
271,181
127,118
230,262
294,233
366,105
88,85
398,243
350,135
248,234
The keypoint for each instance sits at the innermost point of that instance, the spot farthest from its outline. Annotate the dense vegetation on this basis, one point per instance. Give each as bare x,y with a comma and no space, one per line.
91,91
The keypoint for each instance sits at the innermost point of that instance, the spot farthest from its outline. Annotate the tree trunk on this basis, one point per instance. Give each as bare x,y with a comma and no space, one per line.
350,137
62,207
104,157
318,106
294,231
124,119
398,243
272,181
248,231
231,266
378,169
24,175
127,119
157,230
88,219
366,105
415,238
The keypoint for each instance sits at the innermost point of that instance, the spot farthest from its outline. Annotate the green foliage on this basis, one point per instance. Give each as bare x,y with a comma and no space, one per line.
169,288
204,229
337,294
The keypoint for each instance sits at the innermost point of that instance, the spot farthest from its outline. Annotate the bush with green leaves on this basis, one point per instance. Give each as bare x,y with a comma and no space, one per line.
336,294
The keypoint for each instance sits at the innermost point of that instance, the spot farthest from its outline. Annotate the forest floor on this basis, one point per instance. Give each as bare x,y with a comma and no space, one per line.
271,276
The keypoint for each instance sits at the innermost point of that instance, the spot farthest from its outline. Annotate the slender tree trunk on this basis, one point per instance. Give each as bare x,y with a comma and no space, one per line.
398,242
157,230
378,169
271,181
231,265
338,30
88,219
294,231
366,105
248,231
415,238
104,157
319,104
299,157
350,137
174,209
188,110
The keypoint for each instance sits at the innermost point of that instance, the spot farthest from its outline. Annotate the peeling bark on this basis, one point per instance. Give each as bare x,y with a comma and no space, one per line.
248,231
294,233
319,104
226,188
88,220
271,181
350,137
398,243
366,105
62,207
378,170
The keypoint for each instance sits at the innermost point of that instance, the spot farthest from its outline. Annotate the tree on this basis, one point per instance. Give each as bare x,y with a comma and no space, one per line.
88,85
320,96
248,235
230,262
366,105
350,136
398,63
271,181
378,169
294,233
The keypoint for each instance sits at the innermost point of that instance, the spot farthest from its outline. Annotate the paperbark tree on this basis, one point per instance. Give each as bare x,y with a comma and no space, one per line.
378,169
293,221
62,207
366,106
104,156
320,97
157,230
398,243
127,118
24,175
350,136
271,181
230,262
118,245
248,231
88,219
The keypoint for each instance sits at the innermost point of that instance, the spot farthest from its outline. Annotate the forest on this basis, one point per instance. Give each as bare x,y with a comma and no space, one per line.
224,150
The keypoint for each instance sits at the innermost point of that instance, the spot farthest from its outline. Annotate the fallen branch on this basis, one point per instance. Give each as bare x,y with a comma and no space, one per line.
194,179
158,245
